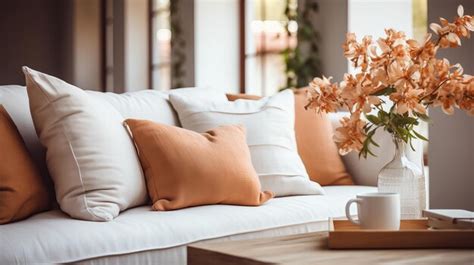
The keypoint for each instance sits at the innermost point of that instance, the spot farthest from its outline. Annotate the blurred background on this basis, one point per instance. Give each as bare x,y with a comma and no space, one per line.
252,46
239,46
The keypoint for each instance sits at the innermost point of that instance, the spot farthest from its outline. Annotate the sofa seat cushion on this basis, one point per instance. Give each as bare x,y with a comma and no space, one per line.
54,237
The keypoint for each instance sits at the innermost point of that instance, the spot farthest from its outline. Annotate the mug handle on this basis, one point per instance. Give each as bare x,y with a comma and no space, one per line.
348,212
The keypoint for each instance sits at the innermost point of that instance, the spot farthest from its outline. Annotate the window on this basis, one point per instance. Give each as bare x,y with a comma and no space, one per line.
160,63
266,37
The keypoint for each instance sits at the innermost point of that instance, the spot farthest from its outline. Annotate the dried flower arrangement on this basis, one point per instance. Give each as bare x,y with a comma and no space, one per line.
400,74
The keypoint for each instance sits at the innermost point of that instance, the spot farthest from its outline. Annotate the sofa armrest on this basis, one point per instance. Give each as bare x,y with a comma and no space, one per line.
365,171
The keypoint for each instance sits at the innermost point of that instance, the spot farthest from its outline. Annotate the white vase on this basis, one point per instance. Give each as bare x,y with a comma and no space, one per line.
403,176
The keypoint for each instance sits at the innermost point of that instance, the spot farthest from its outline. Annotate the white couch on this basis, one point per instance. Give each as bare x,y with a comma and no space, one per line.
141,236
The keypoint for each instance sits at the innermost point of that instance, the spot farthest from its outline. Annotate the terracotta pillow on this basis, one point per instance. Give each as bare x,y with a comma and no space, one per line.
184,168
314,141
22,191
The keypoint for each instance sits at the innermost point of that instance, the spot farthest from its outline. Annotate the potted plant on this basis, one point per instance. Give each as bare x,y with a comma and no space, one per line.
396,80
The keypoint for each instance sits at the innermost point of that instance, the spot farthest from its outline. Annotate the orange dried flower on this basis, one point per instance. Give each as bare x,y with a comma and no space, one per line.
356,52
350,136
406,71
323,96
466,102
357,90
408,101
450,33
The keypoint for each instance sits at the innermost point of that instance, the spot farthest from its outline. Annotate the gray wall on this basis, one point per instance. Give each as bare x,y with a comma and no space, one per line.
332,24
451,146
136,45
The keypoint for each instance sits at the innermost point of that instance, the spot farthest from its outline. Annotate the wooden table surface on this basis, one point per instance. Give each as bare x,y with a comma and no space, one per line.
311,248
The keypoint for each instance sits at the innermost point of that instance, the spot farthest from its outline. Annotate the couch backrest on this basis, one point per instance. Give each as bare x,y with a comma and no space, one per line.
154,105
146,104
15,101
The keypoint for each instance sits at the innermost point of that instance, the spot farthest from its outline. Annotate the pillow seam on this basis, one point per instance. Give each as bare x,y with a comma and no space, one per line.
69,143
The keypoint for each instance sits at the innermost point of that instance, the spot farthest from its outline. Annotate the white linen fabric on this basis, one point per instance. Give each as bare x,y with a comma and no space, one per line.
90,157
145,104
52,237
178,255
150,105
270,136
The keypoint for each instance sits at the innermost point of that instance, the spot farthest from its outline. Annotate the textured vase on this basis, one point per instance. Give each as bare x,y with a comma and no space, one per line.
405,177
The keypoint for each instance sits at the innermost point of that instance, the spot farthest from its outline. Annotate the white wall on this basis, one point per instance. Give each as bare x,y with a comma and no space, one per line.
451,146
217,44
372,17
136,45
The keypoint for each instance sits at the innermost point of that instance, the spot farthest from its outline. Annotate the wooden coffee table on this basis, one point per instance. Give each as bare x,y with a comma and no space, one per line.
311,248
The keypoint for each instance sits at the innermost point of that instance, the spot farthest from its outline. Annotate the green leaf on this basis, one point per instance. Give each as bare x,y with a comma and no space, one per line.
384,92
403,133
374,143
370,152
420,136
423,117
371,133
402,121
367,127
411,146
366,144
373,119
382,114
392,108
361,153
410,120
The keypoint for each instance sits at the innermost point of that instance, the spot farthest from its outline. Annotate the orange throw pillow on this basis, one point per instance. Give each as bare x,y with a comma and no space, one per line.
22,191
184,168
314,141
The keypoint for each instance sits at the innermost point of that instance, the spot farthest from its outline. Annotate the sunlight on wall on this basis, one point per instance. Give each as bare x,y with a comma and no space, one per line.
420,18
217,45
371,17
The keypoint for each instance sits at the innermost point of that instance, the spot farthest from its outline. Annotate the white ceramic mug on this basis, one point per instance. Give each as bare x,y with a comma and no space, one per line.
376,211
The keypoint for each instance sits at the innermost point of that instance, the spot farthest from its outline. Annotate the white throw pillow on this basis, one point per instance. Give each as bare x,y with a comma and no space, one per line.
143,104
270,135
90,156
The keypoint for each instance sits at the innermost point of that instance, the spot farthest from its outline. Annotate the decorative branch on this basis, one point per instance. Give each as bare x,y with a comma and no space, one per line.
402,70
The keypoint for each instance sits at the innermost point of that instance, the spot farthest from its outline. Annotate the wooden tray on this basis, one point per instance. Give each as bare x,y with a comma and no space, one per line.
412,234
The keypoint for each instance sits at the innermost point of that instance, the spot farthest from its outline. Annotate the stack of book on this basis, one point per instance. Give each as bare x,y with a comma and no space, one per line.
449,219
